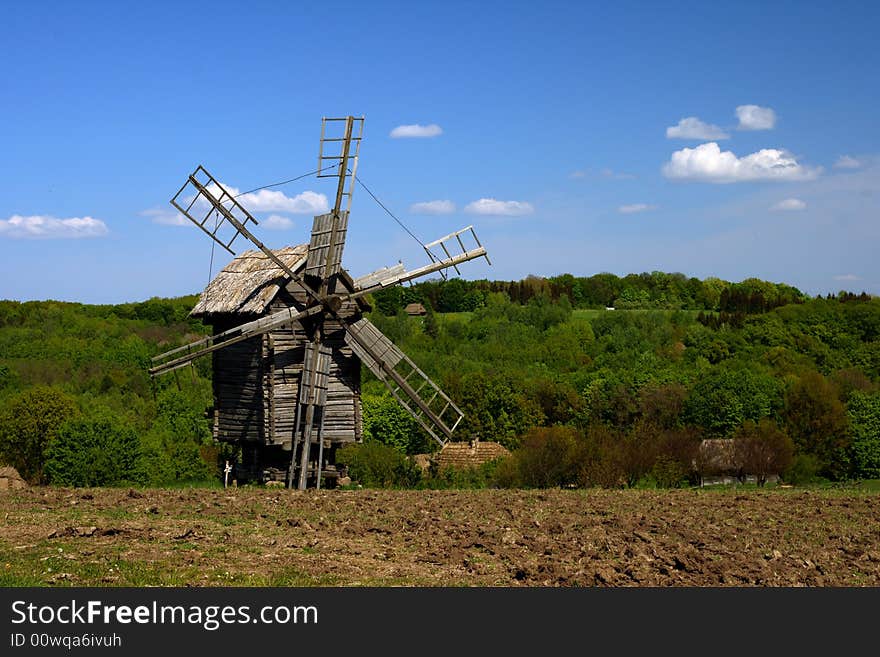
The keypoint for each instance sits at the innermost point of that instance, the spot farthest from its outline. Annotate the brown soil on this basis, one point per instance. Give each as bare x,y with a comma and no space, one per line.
247,536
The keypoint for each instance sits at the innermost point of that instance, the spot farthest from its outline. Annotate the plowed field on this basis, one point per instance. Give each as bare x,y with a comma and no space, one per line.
269,537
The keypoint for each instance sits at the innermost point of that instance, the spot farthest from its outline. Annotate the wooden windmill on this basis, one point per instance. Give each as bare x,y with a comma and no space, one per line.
290,335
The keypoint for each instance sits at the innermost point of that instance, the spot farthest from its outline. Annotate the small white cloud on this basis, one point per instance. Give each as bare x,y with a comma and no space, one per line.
847,162
46,227
267,200
601,173
493,206
433,207
166,217
708,163
789,204
277,222
616,175
755,117
635,207
692,128
847,277
416,130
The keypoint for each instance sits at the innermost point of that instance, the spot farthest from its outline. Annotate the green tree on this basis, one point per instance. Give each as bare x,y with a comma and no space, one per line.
28,423
429,323
721,401
95,450
762,449
170,449
387,422
864,418
375,465
548,457
817,422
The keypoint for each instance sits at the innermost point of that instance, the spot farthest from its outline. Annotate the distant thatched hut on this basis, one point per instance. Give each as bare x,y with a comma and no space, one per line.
415,310
10,479
718,462
461,455
256,382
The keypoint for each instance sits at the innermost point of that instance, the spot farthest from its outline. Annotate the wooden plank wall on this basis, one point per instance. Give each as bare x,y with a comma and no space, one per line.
256,382
238,388
286,349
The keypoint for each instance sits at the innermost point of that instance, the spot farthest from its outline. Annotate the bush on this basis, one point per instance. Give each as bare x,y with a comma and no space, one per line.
482,476
864,419
97,450
762,449
804,469
28,424
387,422
375,465
548,457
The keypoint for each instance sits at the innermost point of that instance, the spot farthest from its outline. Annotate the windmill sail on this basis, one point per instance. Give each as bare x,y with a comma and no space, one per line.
312,402
199,348
419,395
396,275
325,246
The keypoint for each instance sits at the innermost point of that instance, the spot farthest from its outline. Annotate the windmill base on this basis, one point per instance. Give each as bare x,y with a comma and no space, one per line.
260,464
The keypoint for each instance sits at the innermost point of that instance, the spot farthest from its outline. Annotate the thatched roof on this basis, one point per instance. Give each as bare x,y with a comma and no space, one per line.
248,283
415,309
717,455
9,478
469,454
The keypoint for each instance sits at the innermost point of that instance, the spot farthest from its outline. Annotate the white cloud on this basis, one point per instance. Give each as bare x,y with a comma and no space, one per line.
416,130
267,200
616,175
692,128
277,222
46,227
847,162
433,207
789,204
493,206
635,207
708,163
166,217
847,277
601,173
755,117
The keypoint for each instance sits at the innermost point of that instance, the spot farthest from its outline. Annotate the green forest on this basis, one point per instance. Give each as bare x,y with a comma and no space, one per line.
599,381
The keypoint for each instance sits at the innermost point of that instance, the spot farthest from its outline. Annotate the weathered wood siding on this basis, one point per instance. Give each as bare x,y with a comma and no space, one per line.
256,382
238,386
285,350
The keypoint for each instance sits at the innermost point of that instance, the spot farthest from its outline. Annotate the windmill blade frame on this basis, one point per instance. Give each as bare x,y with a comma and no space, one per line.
240,333
400,375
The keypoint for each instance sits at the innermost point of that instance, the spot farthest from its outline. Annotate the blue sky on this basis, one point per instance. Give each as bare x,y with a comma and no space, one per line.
715,139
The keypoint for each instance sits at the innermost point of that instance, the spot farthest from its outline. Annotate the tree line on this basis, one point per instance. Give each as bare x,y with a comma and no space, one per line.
581,396
654,290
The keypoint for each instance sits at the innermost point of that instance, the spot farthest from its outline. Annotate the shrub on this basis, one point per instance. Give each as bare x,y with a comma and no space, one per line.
804,469
375,465
762,449
548,457
28,424
96,450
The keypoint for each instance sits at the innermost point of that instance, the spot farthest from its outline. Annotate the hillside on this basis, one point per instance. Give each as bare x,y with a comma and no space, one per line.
610,398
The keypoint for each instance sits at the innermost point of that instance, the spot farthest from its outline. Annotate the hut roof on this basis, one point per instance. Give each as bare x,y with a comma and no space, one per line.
469,454
415,309
717,455
248,283
9,478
